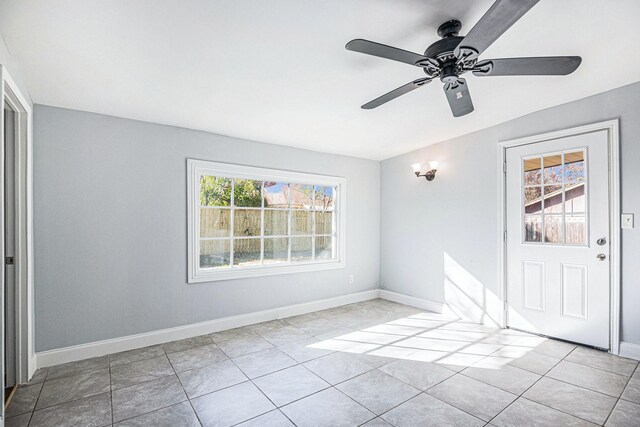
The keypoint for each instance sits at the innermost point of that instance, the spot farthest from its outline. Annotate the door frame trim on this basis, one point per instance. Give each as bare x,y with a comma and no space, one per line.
612,128
11,93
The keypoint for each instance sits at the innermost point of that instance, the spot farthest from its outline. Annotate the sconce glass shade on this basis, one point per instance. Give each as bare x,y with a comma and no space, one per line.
417,167
433,165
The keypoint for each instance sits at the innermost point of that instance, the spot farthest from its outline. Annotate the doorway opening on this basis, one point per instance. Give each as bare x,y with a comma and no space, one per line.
16,290
9,252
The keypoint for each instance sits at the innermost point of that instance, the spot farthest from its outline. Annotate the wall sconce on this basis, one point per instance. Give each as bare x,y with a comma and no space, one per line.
430,174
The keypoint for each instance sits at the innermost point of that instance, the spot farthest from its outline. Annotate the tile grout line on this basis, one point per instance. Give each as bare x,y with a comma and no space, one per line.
460,373
620,397
521,395
279,408
531,386
182,385
256,386
144,382
545,405
592,367
425,393
35,404
110,389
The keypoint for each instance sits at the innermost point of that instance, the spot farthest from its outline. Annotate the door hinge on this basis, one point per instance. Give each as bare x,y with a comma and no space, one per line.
504,167
505,235
9,260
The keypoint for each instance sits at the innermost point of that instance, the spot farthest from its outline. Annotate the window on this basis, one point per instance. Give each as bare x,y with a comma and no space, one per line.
246,221
555,205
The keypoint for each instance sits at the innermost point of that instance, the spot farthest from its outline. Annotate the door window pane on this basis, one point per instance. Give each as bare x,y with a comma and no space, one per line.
276,223
214,253
275,194
247,193
574,166
301,248
553,229
301,222
215,191
552,199
246,251
276,250
553,169
215,222
574,198
575,229
533,228
532,200
301,196
324,247
246,222
533,171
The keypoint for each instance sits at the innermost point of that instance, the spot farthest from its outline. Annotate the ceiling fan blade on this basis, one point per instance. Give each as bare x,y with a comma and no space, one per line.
498,19
542,66
459,97
388,52
396,93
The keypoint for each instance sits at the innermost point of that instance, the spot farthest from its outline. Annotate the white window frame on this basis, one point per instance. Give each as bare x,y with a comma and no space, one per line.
196,168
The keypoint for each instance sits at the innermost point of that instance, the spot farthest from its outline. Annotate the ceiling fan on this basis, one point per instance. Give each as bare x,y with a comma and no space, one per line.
454,55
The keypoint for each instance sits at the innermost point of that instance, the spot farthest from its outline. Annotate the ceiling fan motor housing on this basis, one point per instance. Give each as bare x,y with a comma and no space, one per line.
443,48
442,51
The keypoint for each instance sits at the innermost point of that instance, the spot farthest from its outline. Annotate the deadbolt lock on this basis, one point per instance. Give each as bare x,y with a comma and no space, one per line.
601,241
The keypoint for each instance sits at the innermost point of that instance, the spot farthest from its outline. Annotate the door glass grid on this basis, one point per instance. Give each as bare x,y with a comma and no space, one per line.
554,198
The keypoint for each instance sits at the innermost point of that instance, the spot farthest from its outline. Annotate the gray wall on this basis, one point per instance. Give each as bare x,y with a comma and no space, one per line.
110,228
443,233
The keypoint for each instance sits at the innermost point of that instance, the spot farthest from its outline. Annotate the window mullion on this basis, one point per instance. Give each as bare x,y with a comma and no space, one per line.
564,214
262,223
543,219
289,227
231,222
334,224
313,224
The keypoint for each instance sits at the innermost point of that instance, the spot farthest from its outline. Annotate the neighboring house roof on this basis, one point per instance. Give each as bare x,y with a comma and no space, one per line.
299,198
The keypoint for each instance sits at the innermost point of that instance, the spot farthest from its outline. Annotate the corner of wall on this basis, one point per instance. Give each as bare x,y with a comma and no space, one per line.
8,61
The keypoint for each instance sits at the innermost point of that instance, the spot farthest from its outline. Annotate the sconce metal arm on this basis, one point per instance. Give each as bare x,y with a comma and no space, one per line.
430,175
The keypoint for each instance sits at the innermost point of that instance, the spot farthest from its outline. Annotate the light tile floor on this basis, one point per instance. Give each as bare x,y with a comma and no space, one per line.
374,363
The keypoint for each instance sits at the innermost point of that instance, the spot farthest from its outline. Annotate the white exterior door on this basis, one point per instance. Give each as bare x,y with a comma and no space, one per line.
557,201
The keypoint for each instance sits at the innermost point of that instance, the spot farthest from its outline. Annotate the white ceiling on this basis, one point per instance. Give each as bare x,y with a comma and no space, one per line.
276,70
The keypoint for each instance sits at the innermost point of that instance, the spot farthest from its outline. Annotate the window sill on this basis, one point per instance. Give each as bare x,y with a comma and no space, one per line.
259,271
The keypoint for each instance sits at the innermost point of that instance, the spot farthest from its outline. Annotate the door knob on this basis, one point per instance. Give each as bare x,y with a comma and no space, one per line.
601,241
601,257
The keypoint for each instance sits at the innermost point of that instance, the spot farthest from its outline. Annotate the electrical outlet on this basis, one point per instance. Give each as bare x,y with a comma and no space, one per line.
351,279
626,220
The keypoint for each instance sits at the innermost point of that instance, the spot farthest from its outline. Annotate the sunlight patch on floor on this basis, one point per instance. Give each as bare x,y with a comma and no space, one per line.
435,338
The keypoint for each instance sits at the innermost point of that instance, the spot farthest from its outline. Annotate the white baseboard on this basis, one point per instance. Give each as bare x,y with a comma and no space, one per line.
630,350
101,348
412,301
